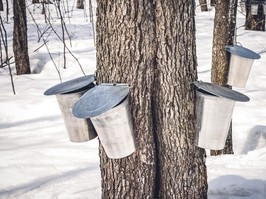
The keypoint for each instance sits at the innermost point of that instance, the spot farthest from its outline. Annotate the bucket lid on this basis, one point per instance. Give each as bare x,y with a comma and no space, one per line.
221,91
70,85
242,52
100,99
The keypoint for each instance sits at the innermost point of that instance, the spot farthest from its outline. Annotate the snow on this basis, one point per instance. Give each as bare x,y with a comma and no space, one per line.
38,160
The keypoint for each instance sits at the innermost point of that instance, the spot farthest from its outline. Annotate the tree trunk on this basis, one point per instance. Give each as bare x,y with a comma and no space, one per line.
1,6
126,53
181,164
213,2
151,46
20,38
203,5
80,4
223,34
255,22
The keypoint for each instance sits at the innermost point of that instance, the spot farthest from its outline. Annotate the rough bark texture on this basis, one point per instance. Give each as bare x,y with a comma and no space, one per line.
126,54
223,34
255,22
181,163
151,46
20,38
203,5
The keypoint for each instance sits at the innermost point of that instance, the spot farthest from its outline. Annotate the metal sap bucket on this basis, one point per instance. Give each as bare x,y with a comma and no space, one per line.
214,109
254,9
243,6
241,61
67,94
107,107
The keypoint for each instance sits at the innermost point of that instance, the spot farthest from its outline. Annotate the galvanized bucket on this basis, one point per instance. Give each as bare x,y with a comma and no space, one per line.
107,107
243,6
214,109
254,9
67,94
241,61
79,130
115,131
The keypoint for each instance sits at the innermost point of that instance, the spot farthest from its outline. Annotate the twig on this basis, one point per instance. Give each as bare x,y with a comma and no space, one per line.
45,43
63,34
262,51
4,39
40,46
63,23
5,63
68,49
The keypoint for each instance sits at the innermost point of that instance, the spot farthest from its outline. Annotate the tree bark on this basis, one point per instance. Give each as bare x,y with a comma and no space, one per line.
126,54
151,46
80,4
203,5
1,5
20,38
223,34
181,164
255,22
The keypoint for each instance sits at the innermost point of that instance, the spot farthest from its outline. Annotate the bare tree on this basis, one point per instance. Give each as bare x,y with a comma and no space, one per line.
151,46
223,34
20,38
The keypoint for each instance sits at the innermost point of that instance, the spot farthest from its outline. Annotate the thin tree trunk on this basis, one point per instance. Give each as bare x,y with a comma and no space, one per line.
3,34
80,4
203,5
20,38
1,5
255,22
7,10
223,34
142,43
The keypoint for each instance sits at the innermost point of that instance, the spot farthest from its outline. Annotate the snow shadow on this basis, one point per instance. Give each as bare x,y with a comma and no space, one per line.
235,187
38,61
51,180
256,139
24,122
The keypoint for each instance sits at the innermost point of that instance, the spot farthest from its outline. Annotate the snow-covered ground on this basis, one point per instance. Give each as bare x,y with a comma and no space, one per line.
38,160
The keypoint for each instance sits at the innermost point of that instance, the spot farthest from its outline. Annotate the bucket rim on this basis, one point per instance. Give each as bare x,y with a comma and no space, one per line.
70,85
221,91
208,95
242,52
99,100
